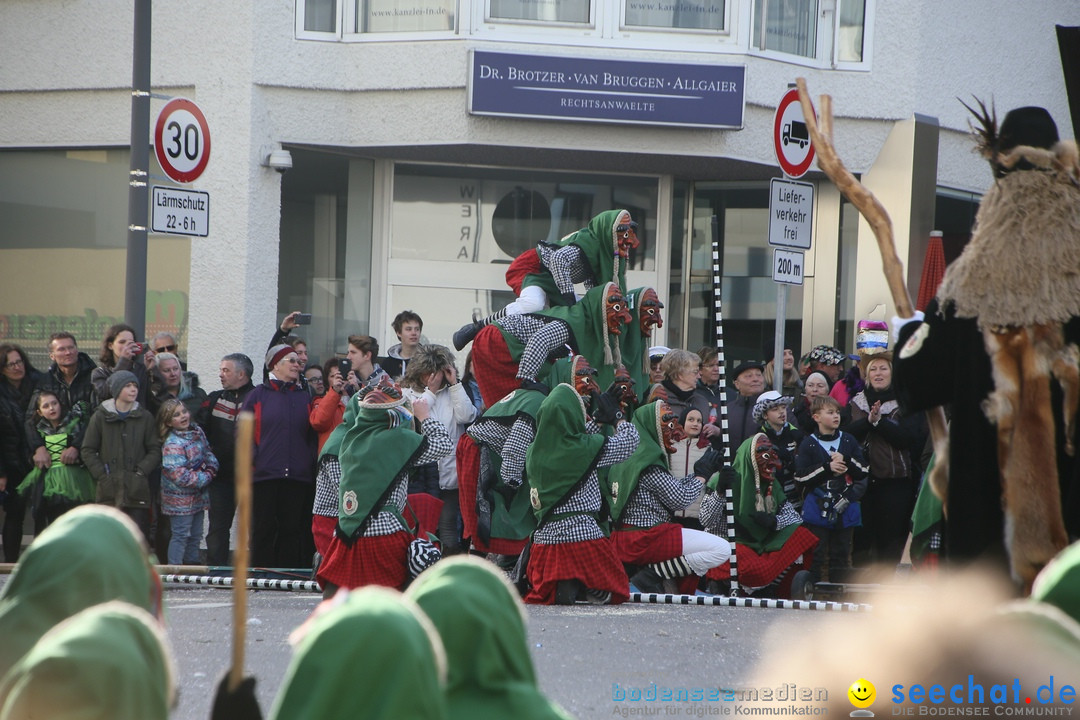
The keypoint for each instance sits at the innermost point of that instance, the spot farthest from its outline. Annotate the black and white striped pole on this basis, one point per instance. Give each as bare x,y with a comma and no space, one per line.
725,437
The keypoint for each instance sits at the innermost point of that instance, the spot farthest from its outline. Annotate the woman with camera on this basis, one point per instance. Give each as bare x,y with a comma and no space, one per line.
119,351
328,409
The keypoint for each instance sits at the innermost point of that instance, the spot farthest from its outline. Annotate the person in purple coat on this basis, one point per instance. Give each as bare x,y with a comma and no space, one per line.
283,472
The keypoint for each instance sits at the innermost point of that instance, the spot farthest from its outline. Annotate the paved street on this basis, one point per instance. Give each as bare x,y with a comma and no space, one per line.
583,653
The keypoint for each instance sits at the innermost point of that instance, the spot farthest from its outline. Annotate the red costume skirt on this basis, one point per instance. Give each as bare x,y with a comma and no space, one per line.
376,560
527,263
494,369
322,529
468,473
759,570
593,562
423,510
642,546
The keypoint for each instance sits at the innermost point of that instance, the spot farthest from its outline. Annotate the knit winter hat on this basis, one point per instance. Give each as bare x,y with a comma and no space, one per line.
119,379
767,401
824,354
274,354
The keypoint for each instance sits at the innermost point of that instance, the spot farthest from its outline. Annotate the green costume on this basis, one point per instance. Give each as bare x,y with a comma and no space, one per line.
1059,582
482,625
748,532
60,482
109,662
373,452
563,453
510,512
90,555
927,519
374,656
599,245
622,479
587,321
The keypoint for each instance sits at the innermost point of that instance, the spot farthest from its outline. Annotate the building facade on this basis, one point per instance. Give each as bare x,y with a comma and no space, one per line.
431,141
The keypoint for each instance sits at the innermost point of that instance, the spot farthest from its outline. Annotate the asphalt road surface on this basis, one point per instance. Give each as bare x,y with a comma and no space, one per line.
585,656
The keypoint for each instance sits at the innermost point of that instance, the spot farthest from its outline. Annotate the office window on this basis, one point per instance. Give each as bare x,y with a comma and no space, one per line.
787,26
320,15
385,16
557,11
676,14
849,39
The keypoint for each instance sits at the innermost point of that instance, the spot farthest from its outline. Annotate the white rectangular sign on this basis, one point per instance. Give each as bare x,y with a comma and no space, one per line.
179,212
787,266
791,208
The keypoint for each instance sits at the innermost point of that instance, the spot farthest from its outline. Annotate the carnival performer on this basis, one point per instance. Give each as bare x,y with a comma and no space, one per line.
491,463
570,555
515,351
109,662
643,496
771,544
91,555
482,624
376,449
646,313
998,344
368,653
544,276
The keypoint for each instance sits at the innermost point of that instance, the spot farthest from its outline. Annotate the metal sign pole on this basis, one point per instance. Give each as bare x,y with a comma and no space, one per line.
138,192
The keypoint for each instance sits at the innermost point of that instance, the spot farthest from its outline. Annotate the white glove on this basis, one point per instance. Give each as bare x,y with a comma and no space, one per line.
899,322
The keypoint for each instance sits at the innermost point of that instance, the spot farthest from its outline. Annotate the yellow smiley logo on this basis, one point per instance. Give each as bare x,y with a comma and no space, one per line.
862,693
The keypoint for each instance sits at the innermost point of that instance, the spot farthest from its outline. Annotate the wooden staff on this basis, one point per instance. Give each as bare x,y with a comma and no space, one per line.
874,212
245,440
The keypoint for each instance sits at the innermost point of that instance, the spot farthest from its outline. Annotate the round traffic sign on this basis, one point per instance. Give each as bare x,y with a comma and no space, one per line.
182,140
791,138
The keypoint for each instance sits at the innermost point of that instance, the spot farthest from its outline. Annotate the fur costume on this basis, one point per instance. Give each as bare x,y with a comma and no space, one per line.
1014,294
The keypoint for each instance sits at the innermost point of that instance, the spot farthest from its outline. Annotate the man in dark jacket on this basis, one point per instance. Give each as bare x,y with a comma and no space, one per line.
68,377
217,416
748,379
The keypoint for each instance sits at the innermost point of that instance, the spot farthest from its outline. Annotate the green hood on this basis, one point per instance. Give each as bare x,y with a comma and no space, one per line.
91,555
587,321
482,625
513,519
373,655
110,662
563,452
1059,582
747,531
622,479
599,245
373,452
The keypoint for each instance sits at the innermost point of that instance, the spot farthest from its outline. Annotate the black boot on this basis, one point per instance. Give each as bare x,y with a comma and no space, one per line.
467,333
567,591
647,580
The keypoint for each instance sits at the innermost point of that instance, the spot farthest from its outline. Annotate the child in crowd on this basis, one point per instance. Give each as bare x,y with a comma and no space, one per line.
687,452
832,471
771,410
60,487
187,467
122,449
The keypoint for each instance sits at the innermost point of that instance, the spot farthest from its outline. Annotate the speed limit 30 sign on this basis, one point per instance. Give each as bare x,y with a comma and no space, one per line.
182,140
